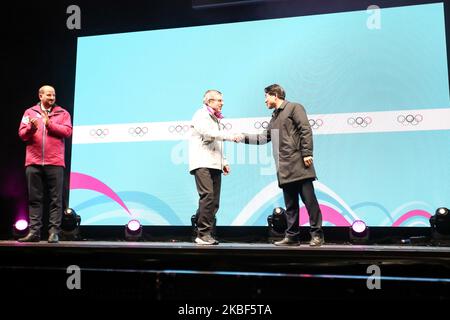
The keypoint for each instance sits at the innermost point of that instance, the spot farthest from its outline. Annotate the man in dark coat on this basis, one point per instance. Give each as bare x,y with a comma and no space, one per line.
292,145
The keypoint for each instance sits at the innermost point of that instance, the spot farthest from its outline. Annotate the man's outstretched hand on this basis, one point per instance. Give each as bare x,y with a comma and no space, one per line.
238,137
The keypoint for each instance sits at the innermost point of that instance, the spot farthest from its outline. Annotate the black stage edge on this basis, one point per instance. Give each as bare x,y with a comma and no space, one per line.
177,270
258,234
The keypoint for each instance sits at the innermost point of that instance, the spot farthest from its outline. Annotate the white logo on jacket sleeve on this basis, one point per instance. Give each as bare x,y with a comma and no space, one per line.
26,120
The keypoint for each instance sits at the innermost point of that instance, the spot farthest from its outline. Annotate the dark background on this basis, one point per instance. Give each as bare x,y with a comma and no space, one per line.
37,49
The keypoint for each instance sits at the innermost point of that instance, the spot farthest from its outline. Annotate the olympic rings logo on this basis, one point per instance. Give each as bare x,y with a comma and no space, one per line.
100,133
259,125
226,126
410,119
359,122
138,131
179,129
315,123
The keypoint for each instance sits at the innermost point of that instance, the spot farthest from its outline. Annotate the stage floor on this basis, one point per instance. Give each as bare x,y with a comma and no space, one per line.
179,245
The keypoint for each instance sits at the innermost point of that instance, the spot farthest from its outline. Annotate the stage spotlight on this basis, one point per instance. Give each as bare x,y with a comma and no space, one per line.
20,228
277,223
133,230
359,232
440,224
70,225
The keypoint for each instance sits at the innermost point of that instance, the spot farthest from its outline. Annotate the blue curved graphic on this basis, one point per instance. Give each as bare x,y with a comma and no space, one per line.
376,205
142,198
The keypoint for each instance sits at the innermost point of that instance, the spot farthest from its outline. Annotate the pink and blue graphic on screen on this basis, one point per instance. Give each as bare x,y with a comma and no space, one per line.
336,212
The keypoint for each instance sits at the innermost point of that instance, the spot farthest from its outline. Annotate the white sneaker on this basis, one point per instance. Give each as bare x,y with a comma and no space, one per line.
206,240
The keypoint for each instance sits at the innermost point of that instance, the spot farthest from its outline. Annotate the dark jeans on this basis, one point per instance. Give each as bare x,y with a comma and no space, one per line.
306,190
208,186
39,177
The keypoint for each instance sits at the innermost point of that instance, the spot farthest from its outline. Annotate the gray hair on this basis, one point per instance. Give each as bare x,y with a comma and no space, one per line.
210,95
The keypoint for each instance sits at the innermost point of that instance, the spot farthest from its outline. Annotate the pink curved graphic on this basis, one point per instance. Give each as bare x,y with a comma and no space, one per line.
328,214
83,181
410,214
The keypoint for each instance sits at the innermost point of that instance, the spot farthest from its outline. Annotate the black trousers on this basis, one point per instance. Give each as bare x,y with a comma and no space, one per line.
38,178
306,190
208,183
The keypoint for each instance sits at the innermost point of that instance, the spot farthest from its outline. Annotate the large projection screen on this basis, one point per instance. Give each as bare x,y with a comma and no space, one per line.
377,98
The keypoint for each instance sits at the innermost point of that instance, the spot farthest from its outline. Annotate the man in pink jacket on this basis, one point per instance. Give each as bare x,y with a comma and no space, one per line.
43,128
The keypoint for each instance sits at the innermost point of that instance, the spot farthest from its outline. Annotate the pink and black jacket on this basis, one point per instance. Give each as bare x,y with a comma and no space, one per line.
45,144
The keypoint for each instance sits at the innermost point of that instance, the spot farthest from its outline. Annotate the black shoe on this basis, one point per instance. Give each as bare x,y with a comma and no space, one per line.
53,238
287,242
30,237
316,241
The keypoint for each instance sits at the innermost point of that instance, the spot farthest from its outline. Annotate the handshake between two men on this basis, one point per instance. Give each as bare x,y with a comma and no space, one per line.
238,137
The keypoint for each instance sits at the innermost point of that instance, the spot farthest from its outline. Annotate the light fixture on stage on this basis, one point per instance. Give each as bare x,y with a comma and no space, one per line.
70,225
20,228
359,232
440,224
277,222
133,230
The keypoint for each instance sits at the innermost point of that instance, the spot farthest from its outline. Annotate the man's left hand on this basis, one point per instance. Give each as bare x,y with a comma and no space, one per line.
226,170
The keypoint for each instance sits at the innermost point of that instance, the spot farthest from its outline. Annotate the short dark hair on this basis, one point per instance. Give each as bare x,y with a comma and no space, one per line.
275,90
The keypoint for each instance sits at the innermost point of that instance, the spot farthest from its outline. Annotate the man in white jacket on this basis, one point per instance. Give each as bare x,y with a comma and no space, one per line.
207,162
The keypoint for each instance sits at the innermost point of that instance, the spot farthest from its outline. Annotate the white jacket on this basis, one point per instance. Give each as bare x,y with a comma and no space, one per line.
206,142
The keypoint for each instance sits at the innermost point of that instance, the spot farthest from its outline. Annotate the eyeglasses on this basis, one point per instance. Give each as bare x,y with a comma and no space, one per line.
219,100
